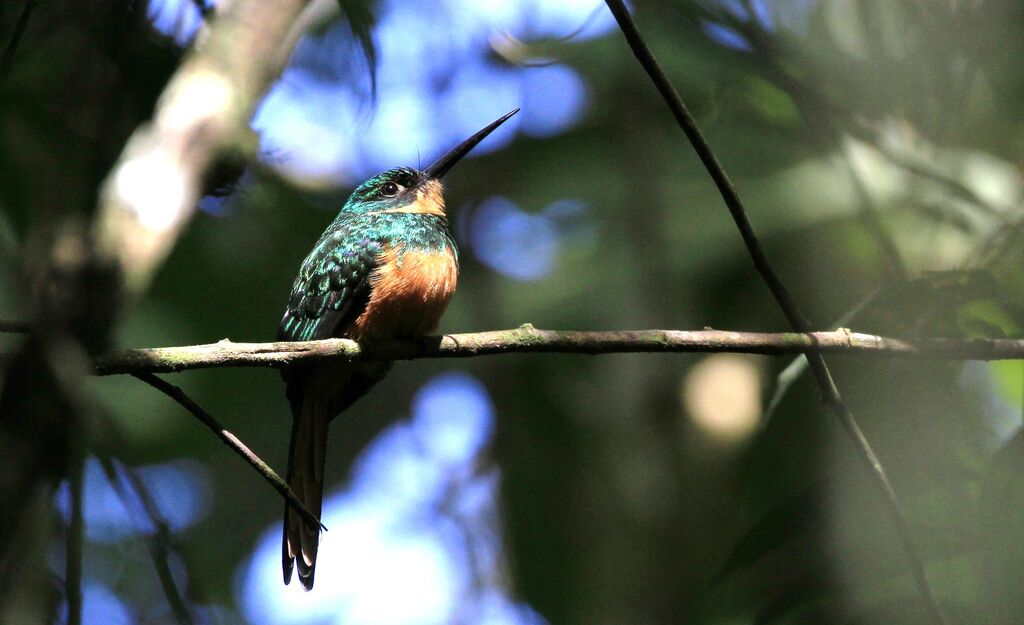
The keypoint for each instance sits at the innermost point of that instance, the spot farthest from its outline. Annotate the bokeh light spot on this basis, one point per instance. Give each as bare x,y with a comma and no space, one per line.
722,394
435,86
393,555
453,418
178,19
369,571
100,605
726,36
512,242
554,98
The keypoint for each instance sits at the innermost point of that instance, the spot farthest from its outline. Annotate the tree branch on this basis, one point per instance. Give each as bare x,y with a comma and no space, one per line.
159,542
231,441
17,327
527,339
788,376
203,114
7,59
205,10
829,391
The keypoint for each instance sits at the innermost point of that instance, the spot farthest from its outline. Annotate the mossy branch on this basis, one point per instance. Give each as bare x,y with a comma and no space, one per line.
528,339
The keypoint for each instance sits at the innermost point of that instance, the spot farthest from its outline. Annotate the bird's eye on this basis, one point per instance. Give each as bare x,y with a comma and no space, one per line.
389,189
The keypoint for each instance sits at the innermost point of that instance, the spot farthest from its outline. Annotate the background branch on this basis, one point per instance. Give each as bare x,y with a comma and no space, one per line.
829,391
788,376
7,59
159,541
203,115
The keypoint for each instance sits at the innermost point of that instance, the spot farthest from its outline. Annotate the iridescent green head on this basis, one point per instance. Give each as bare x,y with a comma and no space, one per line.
390,191
407,190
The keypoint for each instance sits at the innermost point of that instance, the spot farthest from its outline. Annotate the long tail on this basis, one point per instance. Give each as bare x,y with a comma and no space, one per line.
305,477
316,395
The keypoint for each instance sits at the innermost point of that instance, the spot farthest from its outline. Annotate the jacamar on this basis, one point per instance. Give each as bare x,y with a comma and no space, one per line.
385,268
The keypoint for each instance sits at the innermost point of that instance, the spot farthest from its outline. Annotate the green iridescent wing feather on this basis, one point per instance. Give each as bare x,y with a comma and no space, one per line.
332,287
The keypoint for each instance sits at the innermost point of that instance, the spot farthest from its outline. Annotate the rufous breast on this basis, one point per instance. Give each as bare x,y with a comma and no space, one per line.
409,292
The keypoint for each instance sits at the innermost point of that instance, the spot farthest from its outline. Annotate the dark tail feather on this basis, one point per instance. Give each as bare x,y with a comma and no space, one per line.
312,410
306,479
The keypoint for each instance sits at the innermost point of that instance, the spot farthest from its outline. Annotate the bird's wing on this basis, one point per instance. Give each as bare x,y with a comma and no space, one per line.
332,287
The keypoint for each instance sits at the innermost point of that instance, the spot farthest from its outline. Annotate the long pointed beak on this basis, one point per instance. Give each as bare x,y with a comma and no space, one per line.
441,166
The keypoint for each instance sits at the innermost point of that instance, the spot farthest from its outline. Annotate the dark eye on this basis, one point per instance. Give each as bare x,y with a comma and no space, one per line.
389,189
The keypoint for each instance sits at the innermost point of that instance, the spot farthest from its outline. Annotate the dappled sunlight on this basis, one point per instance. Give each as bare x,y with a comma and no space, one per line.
319,128
369,570
101,605
178,19
412,539
181,489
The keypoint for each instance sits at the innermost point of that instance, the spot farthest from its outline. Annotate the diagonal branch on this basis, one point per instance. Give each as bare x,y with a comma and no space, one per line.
202,116
205,10
829,391
159,542
7,59
527,339
231,441
796,368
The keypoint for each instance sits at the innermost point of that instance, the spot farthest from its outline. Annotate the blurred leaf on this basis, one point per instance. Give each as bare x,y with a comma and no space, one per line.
775,106
1002,508
931,304
885,593
986,318
1009,378
789,521
802,596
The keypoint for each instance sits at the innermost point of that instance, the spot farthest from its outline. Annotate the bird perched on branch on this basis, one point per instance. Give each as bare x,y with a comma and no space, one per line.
385,268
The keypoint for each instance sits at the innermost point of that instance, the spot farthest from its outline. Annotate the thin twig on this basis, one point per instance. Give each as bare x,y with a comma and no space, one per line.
159,548
530,340
14,327
872,219
65,371
1001,241
231,441
788,376
7,60
205,10
829,391
75,539
929,172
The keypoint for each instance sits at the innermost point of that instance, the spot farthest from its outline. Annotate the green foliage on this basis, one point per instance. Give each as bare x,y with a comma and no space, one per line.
617,505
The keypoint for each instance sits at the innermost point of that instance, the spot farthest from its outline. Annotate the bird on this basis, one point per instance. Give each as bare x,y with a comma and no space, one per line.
385,268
